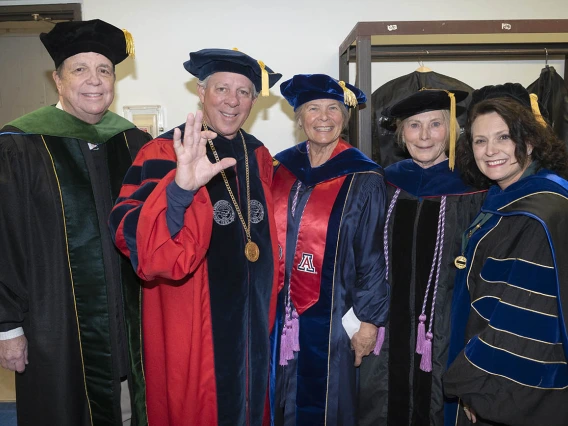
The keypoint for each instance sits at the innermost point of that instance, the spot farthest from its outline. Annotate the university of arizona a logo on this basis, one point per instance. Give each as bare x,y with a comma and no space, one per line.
307,263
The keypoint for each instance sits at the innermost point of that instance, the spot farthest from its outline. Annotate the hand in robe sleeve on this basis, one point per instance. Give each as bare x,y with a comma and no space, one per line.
371,292
139,223
14,235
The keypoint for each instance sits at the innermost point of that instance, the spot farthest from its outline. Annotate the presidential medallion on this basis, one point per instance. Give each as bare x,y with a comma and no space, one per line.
252,252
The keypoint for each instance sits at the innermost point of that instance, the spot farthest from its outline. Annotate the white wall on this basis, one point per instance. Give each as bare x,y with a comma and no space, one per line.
290,36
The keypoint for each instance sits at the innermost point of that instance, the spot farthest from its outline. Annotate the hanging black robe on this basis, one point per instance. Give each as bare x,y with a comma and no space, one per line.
394,391
552,94
60,275
385,149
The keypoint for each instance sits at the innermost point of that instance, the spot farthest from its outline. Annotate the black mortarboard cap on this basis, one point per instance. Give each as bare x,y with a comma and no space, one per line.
431,100
303,88
70,38
423,101
205,62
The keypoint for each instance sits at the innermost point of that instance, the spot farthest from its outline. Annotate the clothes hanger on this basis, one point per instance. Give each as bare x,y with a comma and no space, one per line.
423,68
546,57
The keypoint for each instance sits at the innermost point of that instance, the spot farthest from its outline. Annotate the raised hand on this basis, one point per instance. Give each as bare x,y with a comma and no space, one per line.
193,167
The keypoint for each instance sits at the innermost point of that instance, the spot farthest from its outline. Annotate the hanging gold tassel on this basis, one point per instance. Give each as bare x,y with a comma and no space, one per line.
129,43
536,109
264,91
349,97
453,121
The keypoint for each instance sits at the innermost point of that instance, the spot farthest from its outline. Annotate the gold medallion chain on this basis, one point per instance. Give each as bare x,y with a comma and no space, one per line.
252,251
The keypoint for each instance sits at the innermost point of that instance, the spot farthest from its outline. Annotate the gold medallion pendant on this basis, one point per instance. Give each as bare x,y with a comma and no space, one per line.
251,249
460,262
252,252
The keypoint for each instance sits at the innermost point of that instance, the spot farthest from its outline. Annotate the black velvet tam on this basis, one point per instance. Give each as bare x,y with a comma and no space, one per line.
304,88
423,101
70,38
508,90
208,61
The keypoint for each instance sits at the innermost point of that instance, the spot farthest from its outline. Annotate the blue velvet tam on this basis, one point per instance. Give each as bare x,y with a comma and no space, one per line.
67,39
303,88
423,101
209,61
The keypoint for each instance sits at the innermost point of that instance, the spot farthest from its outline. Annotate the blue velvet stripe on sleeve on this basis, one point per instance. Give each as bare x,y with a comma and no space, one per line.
518,273
526,323
129,231
178,201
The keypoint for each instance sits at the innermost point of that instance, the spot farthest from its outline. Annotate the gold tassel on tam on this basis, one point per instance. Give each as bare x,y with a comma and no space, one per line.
349,97
129,42
264,79
536,109
453,121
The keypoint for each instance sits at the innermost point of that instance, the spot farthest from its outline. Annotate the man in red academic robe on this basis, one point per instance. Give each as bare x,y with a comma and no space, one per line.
203,241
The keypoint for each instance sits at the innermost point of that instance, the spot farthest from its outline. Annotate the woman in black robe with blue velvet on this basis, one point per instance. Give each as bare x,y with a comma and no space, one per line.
429,208
509,346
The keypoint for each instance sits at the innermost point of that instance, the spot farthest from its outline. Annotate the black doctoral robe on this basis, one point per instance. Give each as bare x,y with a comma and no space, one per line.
394,390
509,345
552,93
60,275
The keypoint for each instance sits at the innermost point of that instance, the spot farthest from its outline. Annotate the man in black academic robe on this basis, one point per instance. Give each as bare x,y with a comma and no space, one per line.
63,325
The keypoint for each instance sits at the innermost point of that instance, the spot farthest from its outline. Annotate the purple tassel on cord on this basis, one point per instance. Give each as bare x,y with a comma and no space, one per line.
283,348
426,361
380,341
421,334
285,340
295,324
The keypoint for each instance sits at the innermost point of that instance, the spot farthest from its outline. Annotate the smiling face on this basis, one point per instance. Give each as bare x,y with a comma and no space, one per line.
426,137
227,101
322,120
85,83
494,150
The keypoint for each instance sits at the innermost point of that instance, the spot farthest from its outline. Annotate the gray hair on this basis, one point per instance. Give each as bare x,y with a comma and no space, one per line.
298,115
203,83
399,133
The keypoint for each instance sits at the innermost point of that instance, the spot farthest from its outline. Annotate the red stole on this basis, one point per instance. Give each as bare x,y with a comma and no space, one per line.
305,277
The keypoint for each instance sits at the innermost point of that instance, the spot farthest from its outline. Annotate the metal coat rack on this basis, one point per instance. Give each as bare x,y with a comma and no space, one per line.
406,40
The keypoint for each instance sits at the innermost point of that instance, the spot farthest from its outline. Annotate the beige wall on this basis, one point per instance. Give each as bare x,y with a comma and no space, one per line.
7,389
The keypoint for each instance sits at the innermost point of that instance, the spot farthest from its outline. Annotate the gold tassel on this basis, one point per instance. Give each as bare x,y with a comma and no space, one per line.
536,109
264,91
453,121
349,97
129,43
235,48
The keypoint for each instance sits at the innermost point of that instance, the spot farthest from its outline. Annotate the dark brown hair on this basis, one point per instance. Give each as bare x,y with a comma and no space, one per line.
547,149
